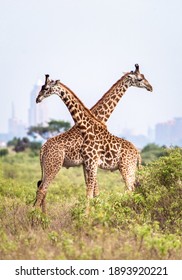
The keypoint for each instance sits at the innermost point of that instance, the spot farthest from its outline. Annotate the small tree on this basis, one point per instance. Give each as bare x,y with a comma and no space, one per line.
12,142
58,126
53,128
3,152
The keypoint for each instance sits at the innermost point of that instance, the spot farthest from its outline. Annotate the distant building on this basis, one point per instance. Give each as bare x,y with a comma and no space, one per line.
169,133
16,128
177,132
37,114
138,140
165,134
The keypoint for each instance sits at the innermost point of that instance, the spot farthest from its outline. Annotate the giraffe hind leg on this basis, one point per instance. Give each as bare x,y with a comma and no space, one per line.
51,164
128,173
43,201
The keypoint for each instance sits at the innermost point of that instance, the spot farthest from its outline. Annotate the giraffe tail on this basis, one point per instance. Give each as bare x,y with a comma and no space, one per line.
139,165
39,183
41,165
139,162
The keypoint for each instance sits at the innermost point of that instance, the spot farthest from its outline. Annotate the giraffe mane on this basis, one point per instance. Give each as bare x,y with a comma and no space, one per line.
111,88
85,108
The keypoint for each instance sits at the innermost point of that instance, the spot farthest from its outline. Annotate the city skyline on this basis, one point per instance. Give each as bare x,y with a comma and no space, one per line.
39,113
43,114
163,133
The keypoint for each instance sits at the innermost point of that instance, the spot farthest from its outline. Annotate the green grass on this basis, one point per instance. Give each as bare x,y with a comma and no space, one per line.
143,225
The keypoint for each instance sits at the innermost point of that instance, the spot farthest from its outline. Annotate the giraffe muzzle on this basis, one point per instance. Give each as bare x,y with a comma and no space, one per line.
38,99
149,88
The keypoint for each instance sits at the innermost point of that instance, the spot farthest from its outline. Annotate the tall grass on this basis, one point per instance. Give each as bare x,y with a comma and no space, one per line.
142,225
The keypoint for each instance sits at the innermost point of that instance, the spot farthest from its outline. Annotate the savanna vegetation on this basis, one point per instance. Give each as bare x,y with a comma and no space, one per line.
146,224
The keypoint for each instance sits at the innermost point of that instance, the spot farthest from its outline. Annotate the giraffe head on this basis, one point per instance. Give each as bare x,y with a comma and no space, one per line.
46,89
136,79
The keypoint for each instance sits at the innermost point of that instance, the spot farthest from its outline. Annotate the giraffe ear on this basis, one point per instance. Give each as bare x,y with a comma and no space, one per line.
130,74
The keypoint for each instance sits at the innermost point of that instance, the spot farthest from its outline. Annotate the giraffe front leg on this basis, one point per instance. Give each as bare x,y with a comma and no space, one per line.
90,187
90,175
96,189
91,193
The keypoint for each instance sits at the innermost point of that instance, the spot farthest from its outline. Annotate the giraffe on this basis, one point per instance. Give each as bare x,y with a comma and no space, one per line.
81,132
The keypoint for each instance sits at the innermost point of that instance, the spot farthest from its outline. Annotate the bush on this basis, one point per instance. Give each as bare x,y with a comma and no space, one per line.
22,144
3,152
161,190
152,152
35,148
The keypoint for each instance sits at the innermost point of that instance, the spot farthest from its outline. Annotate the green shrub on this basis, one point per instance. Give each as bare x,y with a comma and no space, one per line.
3,152
152,152
161,190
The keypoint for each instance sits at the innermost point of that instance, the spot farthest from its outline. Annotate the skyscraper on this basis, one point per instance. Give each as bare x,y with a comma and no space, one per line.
169,133
16,128
37,114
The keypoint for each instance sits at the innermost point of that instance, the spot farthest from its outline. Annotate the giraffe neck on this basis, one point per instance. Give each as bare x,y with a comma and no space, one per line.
82,117
106,105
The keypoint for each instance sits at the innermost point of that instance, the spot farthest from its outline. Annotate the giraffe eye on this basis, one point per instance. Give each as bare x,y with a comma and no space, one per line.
139,80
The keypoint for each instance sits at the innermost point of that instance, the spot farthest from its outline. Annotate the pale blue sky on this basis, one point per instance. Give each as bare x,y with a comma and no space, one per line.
87,44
